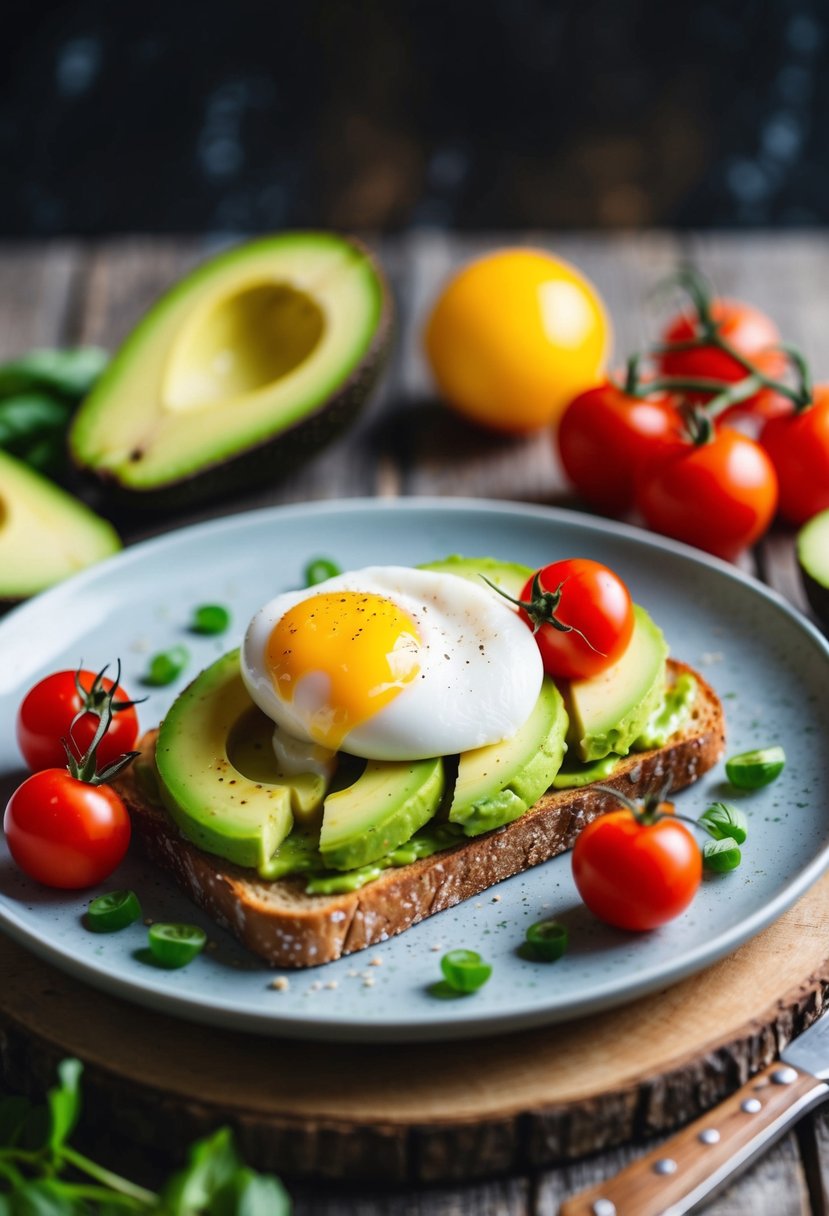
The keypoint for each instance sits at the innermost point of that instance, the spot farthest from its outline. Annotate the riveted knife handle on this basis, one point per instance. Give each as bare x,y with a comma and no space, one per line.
682,1171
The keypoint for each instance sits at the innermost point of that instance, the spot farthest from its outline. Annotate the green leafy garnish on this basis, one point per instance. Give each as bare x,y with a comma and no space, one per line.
320,569
752,770
721,855
465,970
174,946
724,821
547,940
210,618
166,666
35,1154
112,912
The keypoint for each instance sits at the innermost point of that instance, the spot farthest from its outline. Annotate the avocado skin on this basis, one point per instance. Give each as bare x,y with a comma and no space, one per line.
280,454
811,544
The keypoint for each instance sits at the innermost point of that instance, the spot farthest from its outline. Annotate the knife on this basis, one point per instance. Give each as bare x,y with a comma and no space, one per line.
680,1173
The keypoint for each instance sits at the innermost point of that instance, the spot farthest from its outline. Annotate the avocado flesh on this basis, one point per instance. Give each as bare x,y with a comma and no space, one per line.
226,795
813,560
610,711
507,576
498,783
263,342
45,534
384,807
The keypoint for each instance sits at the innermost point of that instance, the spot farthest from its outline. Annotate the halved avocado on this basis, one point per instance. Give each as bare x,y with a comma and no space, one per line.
45,534
250,363
813,560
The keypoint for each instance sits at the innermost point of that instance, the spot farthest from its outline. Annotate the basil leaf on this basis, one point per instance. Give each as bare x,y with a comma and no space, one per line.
721,855
65,1102
70,372
211,1165
722,821
251,1194
43,1198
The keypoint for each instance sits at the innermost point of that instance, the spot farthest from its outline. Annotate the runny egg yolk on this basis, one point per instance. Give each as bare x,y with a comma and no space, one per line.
364,644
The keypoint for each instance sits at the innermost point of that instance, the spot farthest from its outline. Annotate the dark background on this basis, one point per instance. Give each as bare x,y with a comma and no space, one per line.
166,116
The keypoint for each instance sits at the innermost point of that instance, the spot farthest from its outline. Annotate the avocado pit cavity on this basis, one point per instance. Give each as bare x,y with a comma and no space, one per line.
245,342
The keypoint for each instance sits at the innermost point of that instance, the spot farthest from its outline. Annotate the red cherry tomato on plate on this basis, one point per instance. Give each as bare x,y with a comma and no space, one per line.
636,875
594,607
47,712
798,445
64,832
748,330
605,434
719,495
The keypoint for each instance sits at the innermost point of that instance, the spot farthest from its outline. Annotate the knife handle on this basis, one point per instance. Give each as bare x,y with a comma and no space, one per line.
672,1178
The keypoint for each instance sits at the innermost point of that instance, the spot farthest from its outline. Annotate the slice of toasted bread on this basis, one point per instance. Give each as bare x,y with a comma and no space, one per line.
288,928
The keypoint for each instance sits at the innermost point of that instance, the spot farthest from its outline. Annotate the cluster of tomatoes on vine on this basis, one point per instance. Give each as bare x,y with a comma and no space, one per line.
710,434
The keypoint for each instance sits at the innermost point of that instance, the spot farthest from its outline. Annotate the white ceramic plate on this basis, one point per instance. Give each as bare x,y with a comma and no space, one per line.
769,665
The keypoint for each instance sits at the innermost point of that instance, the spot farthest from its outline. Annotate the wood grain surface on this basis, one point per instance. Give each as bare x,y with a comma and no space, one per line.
407,444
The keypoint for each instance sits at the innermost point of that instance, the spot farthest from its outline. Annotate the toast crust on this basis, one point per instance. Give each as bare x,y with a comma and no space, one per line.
287,928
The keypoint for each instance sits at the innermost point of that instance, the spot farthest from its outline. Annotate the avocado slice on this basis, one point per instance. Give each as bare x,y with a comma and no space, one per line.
384,807
251,362
498,783
507,576
45,533
227,794
608,712
813,560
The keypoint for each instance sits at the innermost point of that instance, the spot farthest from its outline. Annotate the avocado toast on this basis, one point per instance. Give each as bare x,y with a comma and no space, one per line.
303,875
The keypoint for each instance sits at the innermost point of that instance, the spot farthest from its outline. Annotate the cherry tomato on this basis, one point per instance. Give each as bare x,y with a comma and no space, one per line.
513,336
636,875
720,495
593,602
604,435
64,832
748,330
798,445
46,714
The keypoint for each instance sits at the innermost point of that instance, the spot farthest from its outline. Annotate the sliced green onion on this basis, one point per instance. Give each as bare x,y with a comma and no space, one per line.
724,821
751,770
166,666
176,945
464,970
210,618
721,855
113,911
318,570
547,940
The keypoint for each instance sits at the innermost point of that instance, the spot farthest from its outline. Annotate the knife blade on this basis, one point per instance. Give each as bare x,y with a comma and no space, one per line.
699,1159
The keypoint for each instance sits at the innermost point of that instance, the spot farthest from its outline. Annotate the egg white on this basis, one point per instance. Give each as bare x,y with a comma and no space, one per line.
480,668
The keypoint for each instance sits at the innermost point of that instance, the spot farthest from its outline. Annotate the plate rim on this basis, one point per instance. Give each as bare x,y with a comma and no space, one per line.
329,1027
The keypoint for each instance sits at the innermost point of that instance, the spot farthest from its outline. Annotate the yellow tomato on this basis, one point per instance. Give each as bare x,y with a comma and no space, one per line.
514,336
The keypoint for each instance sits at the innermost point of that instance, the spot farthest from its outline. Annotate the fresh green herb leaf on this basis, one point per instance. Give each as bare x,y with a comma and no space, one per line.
721,855
211,1165
210,618
250,1194
319,569
44,1198
114,911
174,946
32,428
465,970
166,666
547,940
65,1102
69,372
724,821
752,770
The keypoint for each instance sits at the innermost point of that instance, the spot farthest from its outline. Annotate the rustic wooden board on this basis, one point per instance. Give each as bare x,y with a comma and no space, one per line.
430,1112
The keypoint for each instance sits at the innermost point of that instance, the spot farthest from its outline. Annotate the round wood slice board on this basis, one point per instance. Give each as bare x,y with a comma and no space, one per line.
432,1112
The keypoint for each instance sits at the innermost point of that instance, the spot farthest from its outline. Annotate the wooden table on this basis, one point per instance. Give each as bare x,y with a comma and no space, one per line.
66,293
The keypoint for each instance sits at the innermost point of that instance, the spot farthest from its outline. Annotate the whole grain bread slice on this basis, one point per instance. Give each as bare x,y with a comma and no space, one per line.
288,928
